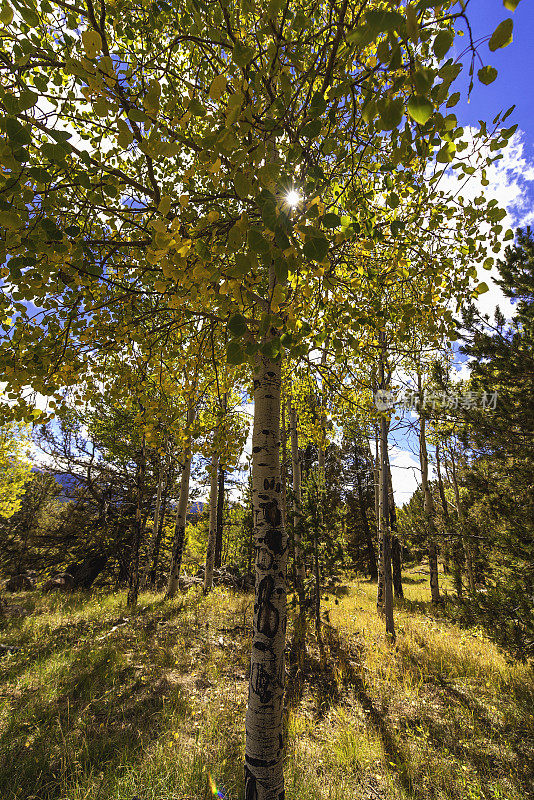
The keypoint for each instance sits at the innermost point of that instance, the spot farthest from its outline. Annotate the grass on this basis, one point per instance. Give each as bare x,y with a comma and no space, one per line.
98,704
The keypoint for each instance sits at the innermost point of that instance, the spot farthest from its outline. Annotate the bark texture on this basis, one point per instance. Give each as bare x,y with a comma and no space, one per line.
264,777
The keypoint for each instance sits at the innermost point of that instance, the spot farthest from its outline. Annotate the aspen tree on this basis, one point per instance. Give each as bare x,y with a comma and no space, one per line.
181,511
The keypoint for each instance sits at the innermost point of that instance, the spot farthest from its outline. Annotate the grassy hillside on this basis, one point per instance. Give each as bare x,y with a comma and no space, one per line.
101,705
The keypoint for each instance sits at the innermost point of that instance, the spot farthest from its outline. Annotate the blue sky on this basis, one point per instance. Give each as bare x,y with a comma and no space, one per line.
514,63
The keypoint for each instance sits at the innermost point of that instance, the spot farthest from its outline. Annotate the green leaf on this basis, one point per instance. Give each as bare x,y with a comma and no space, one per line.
39,174
237,326
361,37
315,247
502,35
268,215
256,242
30,17
17,133
243,264
280,270
511,5
391,114
420,109
242,55
331,220
196,108
446,154
453,99
6,14
487,75
442,44
271,348
27,100
234,353
312,128
383,21
242,185
393,200
423,79
482,288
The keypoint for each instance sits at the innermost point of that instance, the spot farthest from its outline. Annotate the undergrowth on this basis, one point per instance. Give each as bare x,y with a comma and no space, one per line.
100,704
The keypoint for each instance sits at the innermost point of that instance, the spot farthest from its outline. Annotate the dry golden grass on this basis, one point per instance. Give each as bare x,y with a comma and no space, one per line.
99,704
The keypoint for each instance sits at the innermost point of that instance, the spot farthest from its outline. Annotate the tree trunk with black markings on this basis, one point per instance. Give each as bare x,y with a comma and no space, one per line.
429,508
264,777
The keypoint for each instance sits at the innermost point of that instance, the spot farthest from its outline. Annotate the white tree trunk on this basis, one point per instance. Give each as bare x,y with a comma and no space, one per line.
264,777
385,534
429,509
181,515
210,552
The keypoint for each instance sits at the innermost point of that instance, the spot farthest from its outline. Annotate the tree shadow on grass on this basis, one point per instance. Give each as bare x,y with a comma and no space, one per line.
493,743
80,709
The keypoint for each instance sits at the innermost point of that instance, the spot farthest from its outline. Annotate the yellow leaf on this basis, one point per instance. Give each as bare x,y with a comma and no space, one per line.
184,200
218,87
92,43
164,205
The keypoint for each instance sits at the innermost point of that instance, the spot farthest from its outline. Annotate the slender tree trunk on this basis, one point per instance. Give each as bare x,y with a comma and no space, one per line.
462,517
157,544
384,531
264,777
379,527
283,466
220,519
429,507
297,499
371,555
396,549
445,510
133,588
181,514
210,552
162,478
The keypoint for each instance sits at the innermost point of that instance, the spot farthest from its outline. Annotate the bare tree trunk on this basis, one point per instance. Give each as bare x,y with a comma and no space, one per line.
264,777
181,514
384,504
371,555
396,550
133,588
220,519
210,552
445,510
384,531
463,524
379,527
429,505
162,478
283,466
297,499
